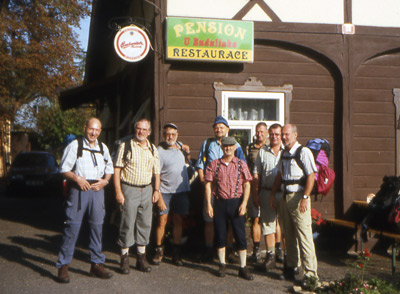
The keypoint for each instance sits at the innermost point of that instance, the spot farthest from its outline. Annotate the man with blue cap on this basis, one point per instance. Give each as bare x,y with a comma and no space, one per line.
209,151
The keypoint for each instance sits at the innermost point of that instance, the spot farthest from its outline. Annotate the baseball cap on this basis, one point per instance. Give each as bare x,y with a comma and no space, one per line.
220,120
170,125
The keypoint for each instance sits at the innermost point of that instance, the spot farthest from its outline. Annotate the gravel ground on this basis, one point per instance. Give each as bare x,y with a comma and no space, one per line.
30,236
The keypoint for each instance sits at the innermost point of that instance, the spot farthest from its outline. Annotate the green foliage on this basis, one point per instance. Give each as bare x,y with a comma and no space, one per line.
38,49
54,124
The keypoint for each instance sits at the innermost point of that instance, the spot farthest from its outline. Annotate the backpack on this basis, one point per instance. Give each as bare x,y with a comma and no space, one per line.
207,151
325,176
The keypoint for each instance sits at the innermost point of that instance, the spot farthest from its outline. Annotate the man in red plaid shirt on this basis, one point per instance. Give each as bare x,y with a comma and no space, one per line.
228,180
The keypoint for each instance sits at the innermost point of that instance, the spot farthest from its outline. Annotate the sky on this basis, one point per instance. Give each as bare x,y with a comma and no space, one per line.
84,33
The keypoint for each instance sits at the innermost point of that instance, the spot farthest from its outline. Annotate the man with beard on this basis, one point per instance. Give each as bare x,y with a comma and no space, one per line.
87,166
174,191
136,162
296,172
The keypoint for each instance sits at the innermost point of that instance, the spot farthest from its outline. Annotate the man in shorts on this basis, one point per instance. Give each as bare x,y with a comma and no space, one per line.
174,158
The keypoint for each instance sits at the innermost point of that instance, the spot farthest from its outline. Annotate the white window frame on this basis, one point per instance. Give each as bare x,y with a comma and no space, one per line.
252,88
250,124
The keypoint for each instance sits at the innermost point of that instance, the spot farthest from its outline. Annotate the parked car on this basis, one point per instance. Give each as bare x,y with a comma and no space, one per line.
34,173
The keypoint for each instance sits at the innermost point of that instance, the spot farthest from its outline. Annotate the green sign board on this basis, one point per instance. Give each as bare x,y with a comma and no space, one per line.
210,40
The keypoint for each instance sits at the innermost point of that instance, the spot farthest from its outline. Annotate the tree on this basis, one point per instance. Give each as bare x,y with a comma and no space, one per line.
38,50
54,124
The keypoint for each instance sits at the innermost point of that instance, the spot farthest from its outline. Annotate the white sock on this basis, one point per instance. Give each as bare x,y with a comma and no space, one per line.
141,249
242,257
124,251
221,255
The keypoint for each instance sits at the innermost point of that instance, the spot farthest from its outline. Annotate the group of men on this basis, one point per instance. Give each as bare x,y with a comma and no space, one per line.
143,175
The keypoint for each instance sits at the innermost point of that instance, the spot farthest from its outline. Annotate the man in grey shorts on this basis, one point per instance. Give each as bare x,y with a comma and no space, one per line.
175,186
264,172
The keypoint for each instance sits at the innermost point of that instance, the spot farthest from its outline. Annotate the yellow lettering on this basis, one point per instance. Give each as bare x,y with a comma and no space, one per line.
201,27
229,30
212,29
189,28
178,30
241,32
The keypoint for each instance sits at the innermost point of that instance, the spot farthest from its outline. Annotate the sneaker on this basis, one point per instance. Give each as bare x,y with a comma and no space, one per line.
124,264
221,270
269,262
244,273
158,256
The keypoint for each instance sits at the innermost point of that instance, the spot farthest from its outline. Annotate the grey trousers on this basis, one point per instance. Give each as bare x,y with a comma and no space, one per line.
136,216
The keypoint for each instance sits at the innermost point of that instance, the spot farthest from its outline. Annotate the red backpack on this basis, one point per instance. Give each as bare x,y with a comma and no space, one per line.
326,176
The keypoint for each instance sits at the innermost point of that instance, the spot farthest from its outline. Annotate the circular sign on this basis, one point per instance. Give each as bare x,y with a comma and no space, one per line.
131,44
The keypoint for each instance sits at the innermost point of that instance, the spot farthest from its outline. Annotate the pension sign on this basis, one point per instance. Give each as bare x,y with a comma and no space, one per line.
210,40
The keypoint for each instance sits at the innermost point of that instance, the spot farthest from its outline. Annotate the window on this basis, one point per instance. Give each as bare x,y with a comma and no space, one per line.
245,106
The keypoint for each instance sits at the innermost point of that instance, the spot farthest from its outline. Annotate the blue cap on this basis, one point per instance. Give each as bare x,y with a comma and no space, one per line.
220,120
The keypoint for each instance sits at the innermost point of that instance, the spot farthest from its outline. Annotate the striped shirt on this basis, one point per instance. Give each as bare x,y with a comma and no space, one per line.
91,166
139,165
225,185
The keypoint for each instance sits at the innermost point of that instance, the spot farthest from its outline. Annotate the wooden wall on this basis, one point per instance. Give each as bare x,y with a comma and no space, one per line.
190,104
373,122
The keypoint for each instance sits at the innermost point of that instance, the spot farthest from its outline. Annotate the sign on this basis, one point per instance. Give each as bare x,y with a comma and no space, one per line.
210,40
131,44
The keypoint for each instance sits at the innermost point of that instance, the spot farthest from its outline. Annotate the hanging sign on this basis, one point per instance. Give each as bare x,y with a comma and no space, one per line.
210,40
131,44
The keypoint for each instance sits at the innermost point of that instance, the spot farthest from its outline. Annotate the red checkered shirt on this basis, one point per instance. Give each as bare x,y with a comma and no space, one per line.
224,186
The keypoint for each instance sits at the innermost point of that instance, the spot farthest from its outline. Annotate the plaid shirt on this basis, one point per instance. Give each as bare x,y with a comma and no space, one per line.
224,185
139,165
91,166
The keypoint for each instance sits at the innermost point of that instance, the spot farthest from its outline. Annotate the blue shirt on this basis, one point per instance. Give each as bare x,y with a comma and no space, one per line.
215,152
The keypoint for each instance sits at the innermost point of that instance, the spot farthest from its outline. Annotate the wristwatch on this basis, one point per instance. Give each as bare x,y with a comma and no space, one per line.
305,197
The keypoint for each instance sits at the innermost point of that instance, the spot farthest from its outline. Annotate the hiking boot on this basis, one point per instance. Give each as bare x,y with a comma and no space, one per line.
98,270
176,256
158,256
256,256
221,270
208,256
279,255
124,264
244,273
63,276
142,264
288,274
269,262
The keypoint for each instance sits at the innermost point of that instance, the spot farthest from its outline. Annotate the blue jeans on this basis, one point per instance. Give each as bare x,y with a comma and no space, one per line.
93,203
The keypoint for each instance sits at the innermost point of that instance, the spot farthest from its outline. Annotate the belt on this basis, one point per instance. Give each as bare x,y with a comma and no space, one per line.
92,181
136,186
